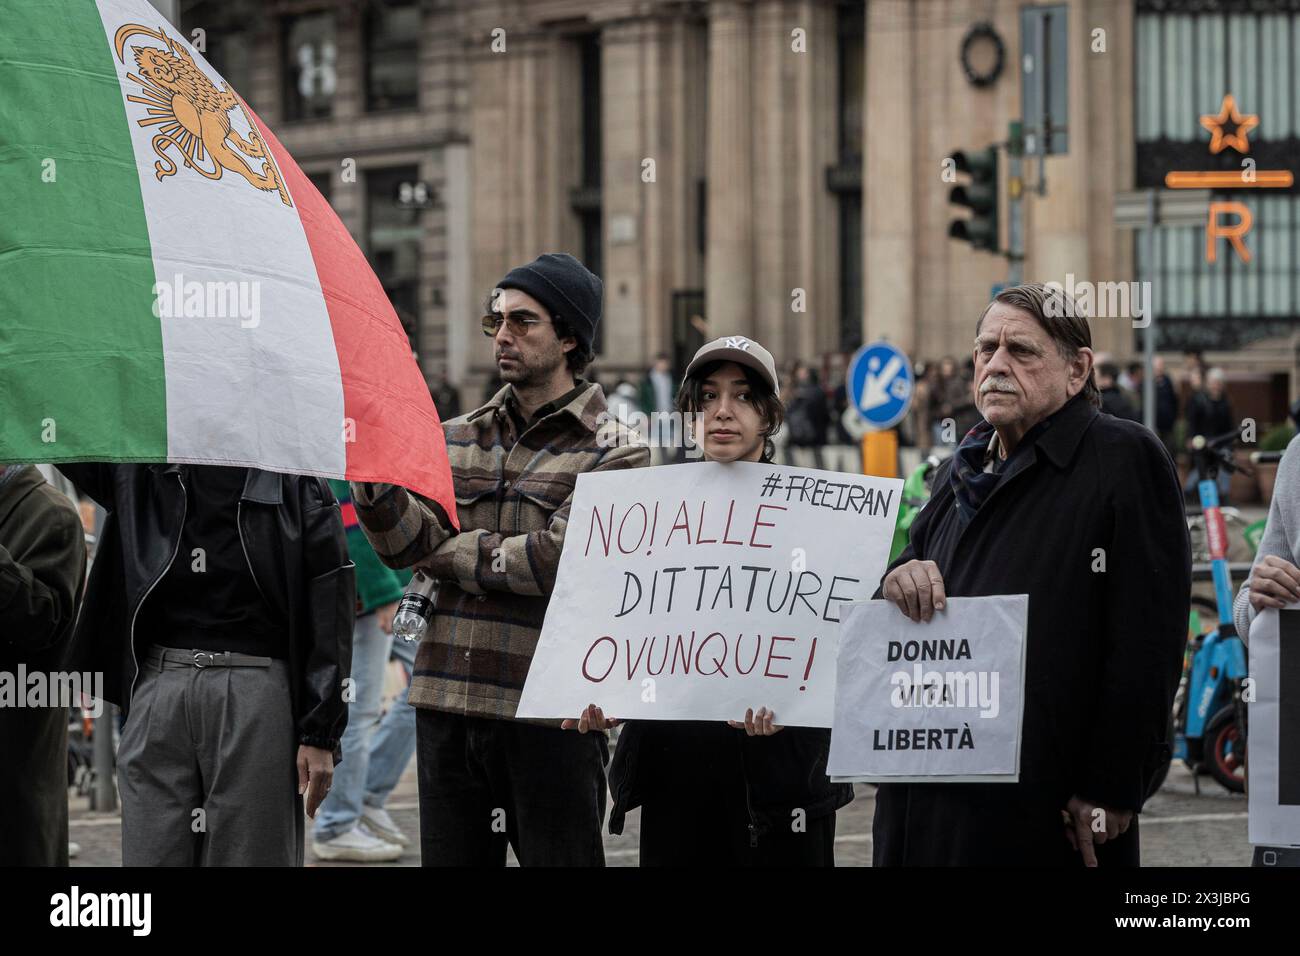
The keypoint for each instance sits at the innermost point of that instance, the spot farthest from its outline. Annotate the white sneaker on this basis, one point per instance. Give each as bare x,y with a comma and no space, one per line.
73,849
383,826
357,845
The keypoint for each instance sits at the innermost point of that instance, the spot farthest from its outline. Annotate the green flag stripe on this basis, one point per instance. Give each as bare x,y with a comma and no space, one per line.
80,348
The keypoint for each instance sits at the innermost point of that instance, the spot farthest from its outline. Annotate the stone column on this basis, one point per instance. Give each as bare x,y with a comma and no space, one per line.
889,177
462,306
773,272
814,234
1057,224
1108,78
729,261
628,204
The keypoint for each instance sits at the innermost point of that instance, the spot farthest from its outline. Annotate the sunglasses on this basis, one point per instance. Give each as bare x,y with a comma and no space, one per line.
519,322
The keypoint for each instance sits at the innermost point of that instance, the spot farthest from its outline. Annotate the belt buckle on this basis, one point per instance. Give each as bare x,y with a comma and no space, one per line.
212,659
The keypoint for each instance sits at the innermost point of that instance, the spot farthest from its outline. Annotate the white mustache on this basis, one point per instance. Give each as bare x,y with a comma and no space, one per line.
997,383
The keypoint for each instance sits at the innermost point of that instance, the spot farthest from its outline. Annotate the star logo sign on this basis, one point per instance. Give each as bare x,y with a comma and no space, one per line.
737,342
1220,139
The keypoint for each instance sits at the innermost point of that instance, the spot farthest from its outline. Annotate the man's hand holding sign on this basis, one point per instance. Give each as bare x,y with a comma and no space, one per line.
917,589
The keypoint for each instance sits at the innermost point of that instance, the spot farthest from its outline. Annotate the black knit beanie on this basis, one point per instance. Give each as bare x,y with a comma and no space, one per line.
562,284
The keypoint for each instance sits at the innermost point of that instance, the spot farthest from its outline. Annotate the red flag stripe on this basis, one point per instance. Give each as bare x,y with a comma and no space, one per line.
396,436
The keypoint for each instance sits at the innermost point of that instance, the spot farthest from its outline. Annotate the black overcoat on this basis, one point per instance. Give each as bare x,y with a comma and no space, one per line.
1088,521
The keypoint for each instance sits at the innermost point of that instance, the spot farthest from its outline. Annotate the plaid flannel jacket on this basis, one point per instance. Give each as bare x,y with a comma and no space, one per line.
494,577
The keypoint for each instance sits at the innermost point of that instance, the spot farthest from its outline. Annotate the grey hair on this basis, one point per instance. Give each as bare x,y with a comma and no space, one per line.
1054,310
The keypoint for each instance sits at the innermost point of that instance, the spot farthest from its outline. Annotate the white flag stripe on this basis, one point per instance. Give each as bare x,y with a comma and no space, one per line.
262,381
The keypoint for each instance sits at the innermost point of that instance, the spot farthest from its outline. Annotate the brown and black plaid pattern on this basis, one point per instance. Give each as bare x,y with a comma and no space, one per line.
495,576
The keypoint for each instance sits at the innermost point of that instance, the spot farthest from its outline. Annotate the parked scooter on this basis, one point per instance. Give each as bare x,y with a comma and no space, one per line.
1209,720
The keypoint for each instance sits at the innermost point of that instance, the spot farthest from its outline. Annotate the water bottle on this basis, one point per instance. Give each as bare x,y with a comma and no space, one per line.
416,608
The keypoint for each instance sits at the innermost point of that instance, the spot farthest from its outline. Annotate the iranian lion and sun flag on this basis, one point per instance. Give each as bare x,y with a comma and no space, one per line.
128,169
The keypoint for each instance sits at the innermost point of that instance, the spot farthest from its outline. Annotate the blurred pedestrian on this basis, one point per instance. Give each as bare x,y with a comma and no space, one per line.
920,411
951,404
624,402
665,430
446,397
839,398
1210,415
1113,400
42,565
1132,381
808,413
390,751
341,832
657,388
1166,405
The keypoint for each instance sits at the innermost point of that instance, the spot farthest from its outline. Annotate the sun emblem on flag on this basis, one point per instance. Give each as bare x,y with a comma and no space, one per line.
193,115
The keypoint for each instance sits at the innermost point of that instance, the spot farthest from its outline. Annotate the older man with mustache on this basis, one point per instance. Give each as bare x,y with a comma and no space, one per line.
1080,510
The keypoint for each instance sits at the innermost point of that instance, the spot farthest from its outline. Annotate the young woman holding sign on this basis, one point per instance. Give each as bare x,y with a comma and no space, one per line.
747,792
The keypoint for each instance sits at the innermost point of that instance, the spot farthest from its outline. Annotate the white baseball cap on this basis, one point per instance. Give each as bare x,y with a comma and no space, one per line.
741,350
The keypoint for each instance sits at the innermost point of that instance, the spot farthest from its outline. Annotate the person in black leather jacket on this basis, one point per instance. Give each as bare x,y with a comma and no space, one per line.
745,792
219,608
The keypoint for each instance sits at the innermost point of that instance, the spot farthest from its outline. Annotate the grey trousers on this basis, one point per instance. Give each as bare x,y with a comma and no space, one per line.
206,768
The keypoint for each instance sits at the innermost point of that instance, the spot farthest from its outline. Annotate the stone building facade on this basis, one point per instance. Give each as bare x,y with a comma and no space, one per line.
772,168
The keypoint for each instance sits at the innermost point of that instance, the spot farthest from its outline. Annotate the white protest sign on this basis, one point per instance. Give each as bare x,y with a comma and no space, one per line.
695,591
930,702
1273,789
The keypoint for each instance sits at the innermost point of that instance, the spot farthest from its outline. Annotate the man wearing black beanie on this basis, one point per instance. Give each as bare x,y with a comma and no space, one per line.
487,779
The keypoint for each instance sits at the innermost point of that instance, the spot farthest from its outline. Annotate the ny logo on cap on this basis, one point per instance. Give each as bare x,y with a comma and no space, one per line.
737,342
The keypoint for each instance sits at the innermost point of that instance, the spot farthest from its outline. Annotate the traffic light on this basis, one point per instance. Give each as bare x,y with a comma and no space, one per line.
980,197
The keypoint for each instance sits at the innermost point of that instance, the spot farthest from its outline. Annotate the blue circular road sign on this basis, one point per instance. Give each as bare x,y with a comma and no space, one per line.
880,384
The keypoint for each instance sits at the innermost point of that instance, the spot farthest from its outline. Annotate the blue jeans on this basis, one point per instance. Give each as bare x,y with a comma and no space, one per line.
342,806
394,741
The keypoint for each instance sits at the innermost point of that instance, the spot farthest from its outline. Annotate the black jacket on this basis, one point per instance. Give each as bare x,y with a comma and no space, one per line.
1208,416
1115,402
292,533
1088,521
42,566
783,772
1166,404
808,416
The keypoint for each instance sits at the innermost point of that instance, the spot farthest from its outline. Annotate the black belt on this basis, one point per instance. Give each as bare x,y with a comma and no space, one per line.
201,659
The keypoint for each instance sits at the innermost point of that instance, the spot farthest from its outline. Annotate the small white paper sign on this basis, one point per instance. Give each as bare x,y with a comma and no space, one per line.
694,592
1273,722
932,702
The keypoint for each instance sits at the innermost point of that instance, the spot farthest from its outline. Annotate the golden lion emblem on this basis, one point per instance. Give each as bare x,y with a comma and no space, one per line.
193,115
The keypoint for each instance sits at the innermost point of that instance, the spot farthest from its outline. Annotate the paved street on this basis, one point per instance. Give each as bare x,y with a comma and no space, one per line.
1179,828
